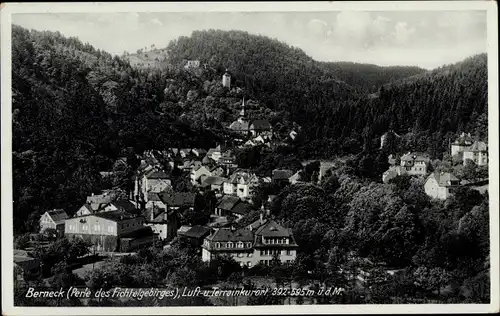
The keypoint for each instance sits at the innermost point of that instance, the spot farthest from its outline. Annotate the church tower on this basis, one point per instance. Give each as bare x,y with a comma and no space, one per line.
226,80
242,112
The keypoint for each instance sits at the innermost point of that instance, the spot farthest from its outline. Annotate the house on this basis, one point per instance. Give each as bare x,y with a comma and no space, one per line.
412,164
262,140
463,142
281,175
178,200
295,178
206,161
197,172
440,185
228,160
111,231
215,153
249,246
163,223
53,219
478,153
29,267
197,234
240,210
240,126
217,171
182,230
415,164
154,200
260,127
214,183
153,181
185,152
226,204
232,205
241,183
199,152
120,205
104,198
192,64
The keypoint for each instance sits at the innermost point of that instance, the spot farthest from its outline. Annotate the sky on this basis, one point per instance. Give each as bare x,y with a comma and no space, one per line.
428,39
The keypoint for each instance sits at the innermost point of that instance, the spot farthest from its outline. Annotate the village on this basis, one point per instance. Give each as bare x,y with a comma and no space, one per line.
116,222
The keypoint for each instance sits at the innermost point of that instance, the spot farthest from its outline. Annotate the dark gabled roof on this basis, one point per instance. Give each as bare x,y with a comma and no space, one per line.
444,179
282,174
158,215
226,234
272,229
125,205
241,208
478,147
155,197
157,175
115,216
138,233
260,125
228,202
198,232
58,216
178,198
213,180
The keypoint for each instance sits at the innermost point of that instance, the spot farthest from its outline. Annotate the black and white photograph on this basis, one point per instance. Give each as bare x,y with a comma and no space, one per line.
249,158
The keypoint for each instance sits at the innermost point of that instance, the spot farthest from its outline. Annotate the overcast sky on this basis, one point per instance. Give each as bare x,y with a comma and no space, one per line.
424,38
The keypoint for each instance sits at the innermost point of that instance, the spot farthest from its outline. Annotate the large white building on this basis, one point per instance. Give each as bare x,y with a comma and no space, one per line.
478,153
257,243
411,164
440,185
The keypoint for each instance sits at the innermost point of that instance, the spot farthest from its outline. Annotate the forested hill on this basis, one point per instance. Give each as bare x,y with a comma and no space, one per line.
76,109
367,77
283,77
428,109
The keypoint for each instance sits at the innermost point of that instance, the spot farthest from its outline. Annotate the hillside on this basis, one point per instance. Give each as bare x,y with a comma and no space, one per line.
366,77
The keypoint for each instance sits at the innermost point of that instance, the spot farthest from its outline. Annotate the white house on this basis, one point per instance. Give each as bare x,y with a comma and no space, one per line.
241,184
461,143
478,153
440,185
198,172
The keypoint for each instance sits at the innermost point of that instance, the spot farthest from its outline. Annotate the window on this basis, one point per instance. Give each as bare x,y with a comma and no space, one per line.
249,263
288,252
217,245
229,245
84,227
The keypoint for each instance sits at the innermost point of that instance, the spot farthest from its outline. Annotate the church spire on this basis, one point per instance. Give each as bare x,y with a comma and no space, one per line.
242,112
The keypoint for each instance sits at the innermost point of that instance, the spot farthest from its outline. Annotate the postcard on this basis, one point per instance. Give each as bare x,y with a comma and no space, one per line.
249,158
